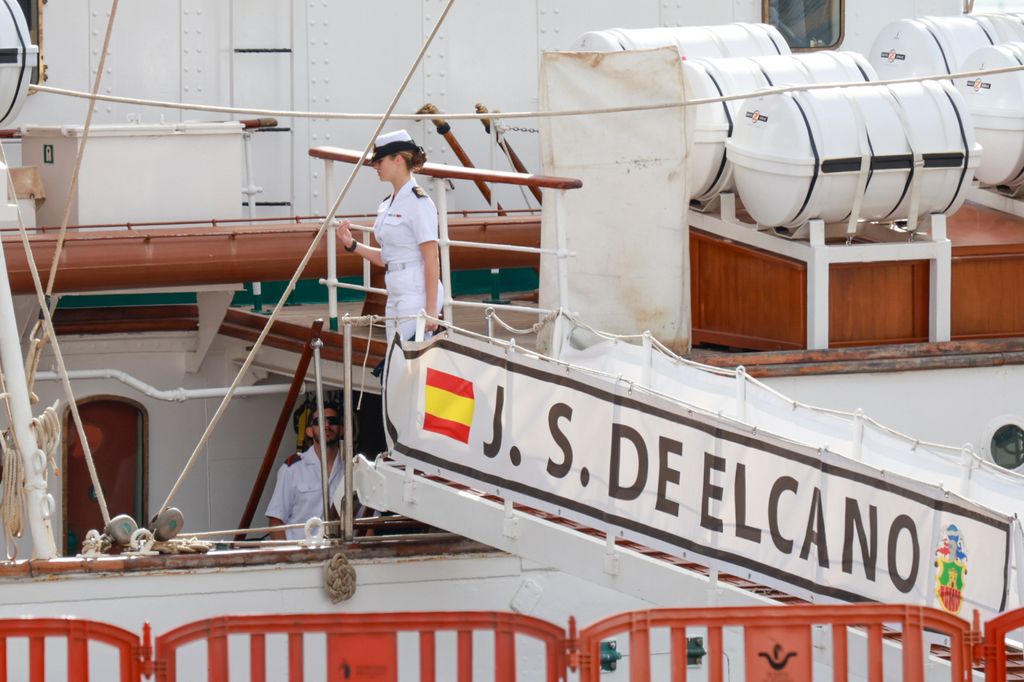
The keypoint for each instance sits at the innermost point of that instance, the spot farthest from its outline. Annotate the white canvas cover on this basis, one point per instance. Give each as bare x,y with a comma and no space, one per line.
699,486
631,269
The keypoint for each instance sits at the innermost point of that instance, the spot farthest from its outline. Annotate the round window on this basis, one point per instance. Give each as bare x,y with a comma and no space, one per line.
1007,446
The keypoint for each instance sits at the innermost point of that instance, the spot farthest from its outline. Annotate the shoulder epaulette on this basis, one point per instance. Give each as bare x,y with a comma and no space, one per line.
418,191
293,459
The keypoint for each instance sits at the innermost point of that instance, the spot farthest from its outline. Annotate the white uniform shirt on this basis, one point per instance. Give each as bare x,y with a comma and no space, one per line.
298,496
403,223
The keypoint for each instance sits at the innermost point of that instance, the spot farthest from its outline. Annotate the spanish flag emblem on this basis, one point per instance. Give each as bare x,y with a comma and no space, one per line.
448,405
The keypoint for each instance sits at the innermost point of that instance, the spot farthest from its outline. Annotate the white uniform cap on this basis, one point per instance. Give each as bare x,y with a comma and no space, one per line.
391,143
387,138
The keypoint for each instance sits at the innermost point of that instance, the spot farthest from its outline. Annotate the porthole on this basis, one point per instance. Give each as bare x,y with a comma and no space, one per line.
1004,442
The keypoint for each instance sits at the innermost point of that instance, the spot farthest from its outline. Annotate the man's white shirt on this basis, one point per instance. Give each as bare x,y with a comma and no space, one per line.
298,494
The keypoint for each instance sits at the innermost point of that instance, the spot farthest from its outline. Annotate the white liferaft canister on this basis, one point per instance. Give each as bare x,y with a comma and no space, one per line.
996,106
709,170
927,46
798,156
19,58
729,40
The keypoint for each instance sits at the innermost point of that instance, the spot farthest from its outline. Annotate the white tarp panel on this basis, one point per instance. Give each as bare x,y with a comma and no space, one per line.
627,225
811,522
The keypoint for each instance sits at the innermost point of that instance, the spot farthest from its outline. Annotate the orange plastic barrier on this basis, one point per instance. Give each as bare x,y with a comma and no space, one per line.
777,643
992,650
777,640
364,646
132,652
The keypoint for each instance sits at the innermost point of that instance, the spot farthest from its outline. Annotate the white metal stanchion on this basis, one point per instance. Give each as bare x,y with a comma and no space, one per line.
347,445
332,276
440,184
317,345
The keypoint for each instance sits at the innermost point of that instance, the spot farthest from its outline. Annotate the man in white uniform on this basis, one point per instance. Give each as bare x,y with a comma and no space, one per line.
298,495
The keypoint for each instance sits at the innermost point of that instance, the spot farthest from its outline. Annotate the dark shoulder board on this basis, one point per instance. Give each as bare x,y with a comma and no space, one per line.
418,191
293,459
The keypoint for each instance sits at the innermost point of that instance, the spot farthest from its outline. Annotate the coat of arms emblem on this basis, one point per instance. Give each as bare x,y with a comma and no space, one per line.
950,570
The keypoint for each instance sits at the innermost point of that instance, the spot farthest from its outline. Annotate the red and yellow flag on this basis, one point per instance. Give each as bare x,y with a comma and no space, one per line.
448,405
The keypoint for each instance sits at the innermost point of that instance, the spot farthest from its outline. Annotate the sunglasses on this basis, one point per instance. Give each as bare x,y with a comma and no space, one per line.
333,421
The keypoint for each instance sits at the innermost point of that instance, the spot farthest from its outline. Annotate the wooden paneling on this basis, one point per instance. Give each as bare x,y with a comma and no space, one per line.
745,298
988,294
878,303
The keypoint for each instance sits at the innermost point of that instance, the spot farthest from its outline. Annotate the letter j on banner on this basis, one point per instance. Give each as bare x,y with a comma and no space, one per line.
448,402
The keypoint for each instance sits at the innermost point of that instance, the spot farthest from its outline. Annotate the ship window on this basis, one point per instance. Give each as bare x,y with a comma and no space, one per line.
1007,446
806,24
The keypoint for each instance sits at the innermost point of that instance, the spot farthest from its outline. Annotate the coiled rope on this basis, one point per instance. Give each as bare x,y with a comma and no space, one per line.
339,579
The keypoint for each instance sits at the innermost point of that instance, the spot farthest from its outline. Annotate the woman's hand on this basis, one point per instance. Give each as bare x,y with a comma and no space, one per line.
345,234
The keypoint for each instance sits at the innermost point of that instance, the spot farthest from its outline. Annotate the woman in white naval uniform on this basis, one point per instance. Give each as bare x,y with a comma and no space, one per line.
406,229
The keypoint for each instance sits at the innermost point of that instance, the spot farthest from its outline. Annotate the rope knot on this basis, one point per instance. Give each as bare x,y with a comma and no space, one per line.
339,578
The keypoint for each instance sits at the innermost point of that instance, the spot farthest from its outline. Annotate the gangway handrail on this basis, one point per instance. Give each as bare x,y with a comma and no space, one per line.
441,174
440,170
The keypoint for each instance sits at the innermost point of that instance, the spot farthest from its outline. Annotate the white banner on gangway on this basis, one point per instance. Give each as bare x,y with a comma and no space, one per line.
610,455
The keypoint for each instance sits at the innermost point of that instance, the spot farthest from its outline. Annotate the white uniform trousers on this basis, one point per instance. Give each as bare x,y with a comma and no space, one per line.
406,297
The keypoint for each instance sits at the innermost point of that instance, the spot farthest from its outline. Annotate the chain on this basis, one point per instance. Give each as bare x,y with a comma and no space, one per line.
517,129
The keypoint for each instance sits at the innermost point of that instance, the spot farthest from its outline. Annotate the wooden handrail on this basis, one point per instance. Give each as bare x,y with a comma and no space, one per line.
440,170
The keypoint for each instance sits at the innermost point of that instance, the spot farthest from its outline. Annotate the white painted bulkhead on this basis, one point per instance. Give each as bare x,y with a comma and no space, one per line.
350,57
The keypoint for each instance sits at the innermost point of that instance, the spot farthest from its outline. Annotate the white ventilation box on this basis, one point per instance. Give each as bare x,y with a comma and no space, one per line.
139,173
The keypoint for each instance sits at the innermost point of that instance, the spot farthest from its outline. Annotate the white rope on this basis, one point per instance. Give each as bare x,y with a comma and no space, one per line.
48,432
57,354
12,505
287,113
302,265
263,529
532,329
35,353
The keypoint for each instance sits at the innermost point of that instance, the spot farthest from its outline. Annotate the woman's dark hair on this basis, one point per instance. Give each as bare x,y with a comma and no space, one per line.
414,160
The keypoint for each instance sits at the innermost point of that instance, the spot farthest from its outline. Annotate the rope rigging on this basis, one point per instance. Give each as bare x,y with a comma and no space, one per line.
251,356
289,113
47,322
